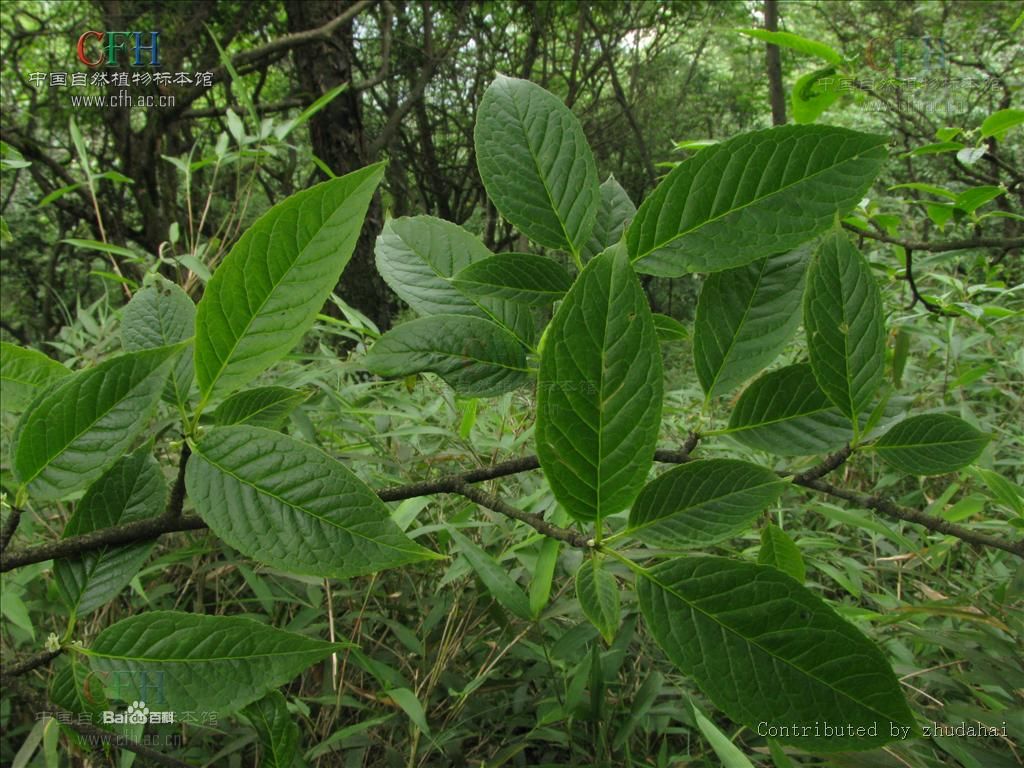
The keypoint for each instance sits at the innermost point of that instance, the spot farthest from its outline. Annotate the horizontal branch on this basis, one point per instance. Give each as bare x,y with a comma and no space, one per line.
938,247
29,663
173,521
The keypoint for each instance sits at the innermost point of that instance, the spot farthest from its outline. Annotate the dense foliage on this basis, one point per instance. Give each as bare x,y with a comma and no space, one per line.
521,445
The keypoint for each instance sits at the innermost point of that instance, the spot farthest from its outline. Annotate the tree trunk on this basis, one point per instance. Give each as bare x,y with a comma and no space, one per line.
773,61
338,139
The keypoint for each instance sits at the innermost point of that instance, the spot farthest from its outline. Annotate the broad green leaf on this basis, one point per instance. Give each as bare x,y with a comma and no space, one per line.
598,593
669,329
188,661
495,577
24,373
998,123
702,502
260,407
75,688
780,551
931,444
844,324
745,317
543,574
616,211
535,163
288,504
84,424
523,278
278,733
753,196
599,391
476,357
418,256
158,315
266,293
785,412
131,490
796,43
766,650
813,93
971,199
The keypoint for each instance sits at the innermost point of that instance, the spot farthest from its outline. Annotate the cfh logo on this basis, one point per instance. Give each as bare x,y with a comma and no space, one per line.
908,56
96,49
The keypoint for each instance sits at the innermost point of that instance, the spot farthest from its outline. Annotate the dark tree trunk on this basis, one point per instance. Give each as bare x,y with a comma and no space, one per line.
338,139
773,61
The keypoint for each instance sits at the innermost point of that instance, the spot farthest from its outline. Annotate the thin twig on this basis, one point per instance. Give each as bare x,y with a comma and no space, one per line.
939,247
831,462
891,509
537,522
930,306
9,528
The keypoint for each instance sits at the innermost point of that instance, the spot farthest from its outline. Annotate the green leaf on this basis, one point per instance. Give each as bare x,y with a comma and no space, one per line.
599,391
702,502
412,707
669,329
158,315
523,278
543,574
844,324
501,586
727,752
288,504
535,163
188,661
796,43
810,99
131,490
781,552
745,317
277,731
931,189
616,211
931,444
998,123
971,199
753,196
98,245
785,412
476,357
935,149
598,593
418,256
260,407
266,293
780,654
84,424
24,373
